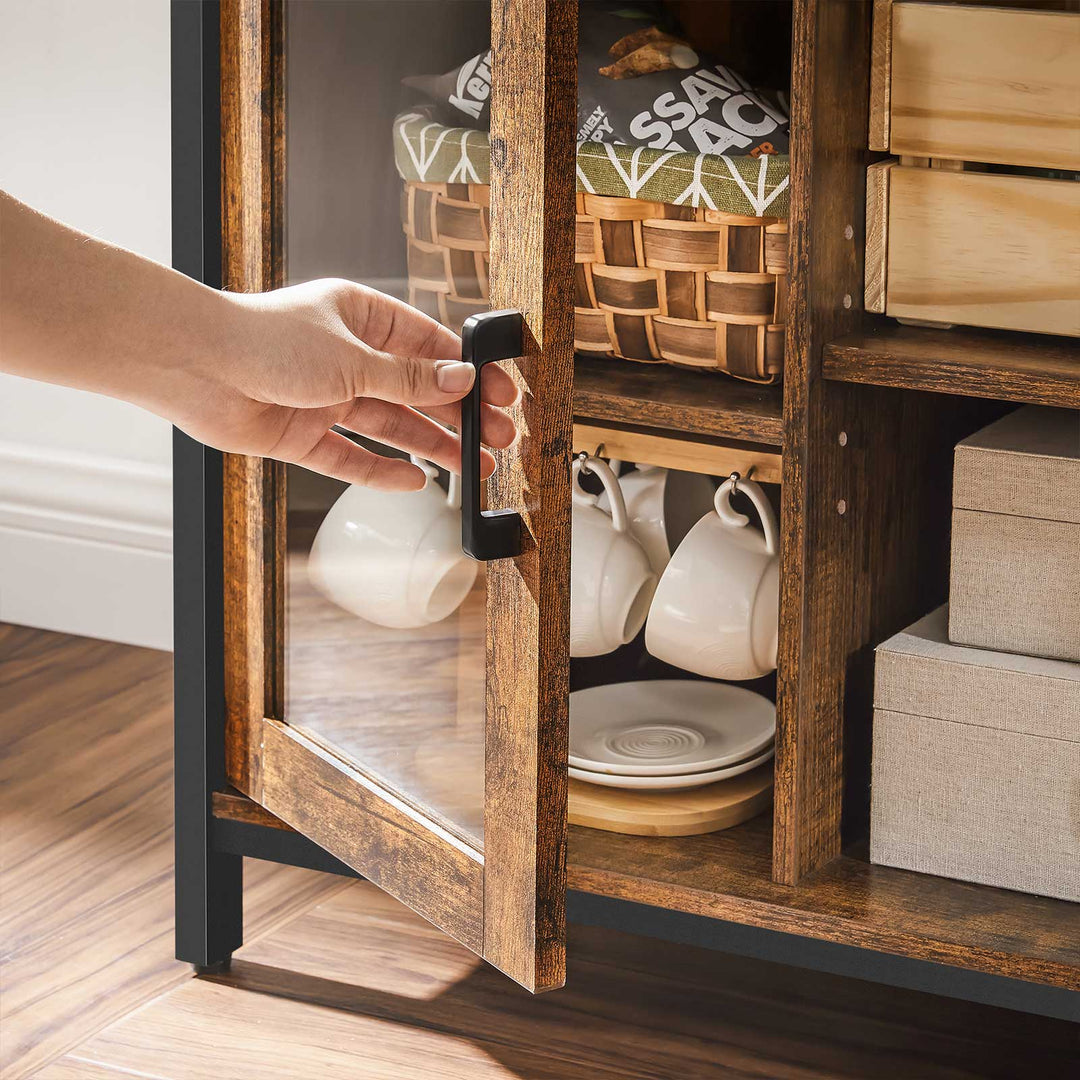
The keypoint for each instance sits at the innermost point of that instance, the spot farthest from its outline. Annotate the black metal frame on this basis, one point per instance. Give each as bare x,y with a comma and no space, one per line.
210,851
209,883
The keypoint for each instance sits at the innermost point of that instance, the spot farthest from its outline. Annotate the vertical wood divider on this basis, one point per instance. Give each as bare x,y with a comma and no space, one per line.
533,130
252,124
819,617
866,469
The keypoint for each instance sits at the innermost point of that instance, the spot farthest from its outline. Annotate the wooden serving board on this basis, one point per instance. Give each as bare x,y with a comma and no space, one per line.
673,813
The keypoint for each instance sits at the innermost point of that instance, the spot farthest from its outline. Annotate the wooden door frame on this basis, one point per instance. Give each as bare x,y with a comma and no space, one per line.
507,903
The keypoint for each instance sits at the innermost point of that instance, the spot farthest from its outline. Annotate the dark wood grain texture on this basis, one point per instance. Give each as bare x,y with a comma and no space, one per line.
725,875
533,119
829,103
370,829
253,131
233,806
979,363
865,506
691,402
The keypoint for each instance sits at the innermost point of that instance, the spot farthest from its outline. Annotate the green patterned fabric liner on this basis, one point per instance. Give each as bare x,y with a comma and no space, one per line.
429,152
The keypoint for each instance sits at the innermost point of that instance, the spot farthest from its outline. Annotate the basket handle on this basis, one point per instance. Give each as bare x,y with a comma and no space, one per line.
485,534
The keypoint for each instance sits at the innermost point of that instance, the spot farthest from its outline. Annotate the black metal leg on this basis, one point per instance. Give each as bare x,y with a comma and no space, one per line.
209,894
209,885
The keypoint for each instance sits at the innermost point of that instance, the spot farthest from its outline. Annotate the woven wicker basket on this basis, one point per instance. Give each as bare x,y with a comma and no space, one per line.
655,282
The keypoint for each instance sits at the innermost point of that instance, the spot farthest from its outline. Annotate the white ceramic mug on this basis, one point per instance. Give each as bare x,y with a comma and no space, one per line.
611,579
662,505
716,609
394,557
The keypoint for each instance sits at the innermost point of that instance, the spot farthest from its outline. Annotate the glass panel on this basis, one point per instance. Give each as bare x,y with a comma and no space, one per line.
385,618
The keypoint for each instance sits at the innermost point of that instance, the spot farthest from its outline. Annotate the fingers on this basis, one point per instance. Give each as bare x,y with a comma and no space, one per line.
497,429
420,383
409,358
405,429
392,326
406,380
336,456
496,386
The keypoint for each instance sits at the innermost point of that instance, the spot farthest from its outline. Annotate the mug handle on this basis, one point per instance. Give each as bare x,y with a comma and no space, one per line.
425,467
732,518
453,487
611,485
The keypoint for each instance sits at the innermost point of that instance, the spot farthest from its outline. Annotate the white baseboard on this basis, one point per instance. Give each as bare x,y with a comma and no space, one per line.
86,545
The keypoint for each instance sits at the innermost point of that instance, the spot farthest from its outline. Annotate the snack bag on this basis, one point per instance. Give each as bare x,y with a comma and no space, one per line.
461,95
639,83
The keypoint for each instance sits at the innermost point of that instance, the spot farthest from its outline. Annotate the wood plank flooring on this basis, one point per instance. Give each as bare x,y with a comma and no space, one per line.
359,987
338,980
86,843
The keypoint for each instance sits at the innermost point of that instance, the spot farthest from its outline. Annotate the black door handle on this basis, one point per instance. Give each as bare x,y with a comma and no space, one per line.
485,534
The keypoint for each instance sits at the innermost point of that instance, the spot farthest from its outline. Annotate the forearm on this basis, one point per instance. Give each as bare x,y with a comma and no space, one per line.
79,312
272,374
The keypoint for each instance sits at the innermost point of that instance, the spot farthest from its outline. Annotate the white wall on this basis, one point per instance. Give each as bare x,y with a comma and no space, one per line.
85,503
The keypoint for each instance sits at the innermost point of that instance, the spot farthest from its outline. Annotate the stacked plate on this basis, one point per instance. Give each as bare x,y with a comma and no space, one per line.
669,734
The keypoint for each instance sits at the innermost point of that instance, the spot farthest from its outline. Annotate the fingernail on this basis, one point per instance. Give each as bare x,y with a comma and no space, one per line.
454,377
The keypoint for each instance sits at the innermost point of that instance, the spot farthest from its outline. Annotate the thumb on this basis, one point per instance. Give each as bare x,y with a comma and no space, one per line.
409,380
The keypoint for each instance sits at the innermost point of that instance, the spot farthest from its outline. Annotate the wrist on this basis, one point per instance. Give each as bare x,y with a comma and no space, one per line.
201,333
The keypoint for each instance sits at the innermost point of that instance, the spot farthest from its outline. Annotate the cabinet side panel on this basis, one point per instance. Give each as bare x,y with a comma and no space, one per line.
533,110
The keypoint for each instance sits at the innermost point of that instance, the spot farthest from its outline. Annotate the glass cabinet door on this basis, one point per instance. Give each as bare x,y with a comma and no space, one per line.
398,701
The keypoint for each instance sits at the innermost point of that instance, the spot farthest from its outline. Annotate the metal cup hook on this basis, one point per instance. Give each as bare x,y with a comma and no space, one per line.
584,455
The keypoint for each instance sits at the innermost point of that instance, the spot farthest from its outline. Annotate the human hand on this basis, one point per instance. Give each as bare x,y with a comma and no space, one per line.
302,359
266,374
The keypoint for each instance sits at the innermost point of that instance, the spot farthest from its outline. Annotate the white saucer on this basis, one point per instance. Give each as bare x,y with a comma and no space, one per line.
670,783
667,727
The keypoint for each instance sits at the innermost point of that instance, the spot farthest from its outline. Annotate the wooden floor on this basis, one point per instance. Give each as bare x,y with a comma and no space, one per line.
336,979
86,897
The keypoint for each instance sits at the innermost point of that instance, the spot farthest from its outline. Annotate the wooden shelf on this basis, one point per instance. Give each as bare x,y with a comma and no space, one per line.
728,875
677,400
975,363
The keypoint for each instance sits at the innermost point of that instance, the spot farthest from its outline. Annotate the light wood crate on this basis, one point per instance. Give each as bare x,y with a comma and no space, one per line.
976,248
958,91
976,83
655,283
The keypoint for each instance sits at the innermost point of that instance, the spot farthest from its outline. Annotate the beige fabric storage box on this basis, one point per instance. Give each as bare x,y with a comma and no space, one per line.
976,763
1015,581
